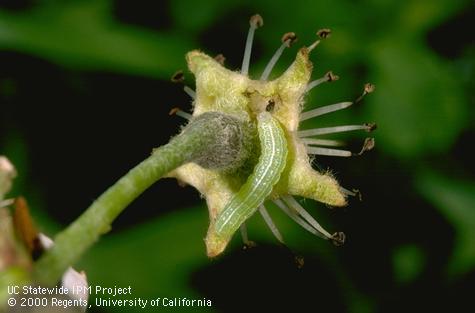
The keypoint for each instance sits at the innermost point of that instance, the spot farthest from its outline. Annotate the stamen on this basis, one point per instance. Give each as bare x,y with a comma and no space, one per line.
180,113
322,34
220,59
324,110
367,145
300,210
245,239
353,193
322,142
329,77
368,88
329,152
293,215
255,22
338,238
287,40
190,92
337,129
270,223
179,77
298,259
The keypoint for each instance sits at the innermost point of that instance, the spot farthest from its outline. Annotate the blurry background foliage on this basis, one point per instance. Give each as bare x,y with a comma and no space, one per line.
85,95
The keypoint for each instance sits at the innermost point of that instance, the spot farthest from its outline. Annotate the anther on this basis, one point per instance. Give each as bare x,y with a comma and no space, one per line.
338,238
324,33
220,59
331,76
299,261
180,113
289,39
368,88
328,77
256,21
367,145
178,77
370,126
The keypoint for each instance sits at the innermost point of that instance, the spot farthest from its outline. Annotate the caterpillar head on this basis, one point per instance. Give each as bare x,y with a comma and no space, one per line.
236,94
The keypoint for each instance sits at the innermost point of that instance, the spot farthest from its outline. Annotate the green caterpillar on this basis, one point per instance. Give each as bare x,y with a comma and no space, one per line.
260,183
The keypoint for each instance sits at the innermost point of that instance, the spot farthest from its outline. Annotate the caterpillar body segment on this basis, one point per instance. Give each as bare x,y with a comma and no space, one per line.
260,183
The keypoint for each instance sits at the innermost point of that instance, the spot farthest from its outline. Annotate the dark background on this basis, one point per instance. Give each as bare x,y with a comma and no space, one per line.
85,95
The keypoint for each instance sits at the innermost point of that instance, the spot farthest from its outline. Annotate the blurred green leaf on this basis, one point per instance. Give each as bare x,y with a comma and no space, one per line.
82,34
419,103
193,17
408,262
456,201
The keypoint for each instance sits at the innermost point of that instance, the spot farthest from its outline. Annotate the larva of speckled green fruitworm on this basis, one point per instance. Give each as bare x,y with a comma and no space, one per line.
260,183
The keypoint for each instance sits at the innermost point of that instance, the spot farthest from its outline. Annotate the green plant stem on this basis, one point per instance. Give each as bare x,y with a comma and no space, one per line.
194,142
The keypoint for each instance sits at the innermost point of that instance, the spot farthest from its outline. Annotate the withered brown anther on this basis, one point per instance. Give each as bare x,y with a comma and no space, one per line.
178,77
256,21
338,238
324,33
369,88
220,58
173,111
289,38
331,76
371,126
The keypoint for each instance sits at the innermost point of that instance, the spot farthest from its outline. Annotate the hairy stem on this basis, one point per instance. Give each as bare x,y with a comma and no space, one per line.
208,131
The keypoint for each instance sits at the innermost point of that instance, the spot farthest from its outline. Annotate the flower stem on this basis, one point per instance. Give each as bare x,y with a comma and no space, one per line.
193,143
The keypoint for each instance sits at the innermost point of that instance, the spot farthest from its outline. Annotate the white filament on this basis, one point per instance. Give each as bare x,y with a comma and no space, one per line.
190,92
328,151
331,130
273,61
291,202
186,116
270,223
297,218
316,82
322,142
324,110
248,49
